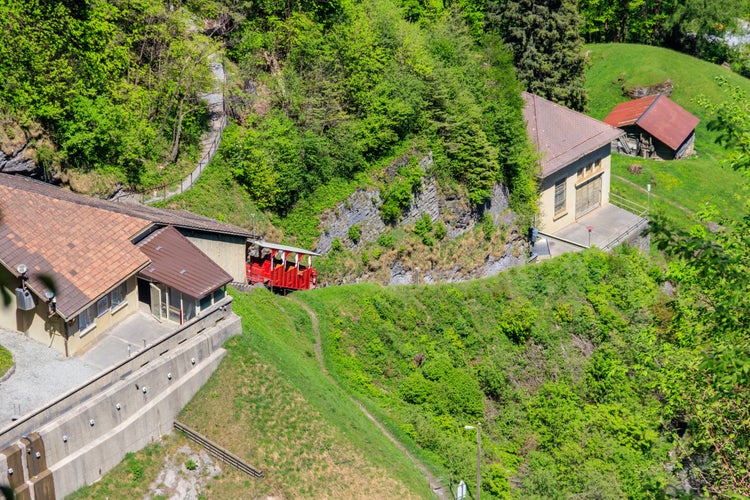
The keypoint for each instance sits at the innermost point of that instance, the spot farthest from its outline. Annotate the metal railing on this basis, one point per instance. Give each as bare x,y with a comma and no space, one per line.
218,451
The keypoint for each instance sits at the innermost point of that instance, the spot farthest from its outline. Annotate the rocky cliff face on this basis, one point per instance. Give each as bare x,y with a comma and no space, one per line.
362,209
18,149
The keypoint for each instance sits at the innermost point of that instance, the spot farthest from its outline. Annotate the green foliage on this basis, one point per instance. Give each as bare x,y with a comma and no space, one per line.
547,47
364,84
116,85
488,226
692,27
423,229
191,465
711,269
354,233
517,320
440,231
387,240
6,360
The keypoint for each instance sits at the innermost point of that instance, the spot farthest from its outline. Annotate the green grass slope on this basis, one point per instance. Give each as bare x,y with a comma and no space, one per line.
679,188
559,361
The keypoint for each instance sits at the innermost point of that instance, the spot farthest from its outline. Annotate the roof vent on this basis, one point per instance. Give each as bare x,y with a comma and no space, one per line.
158,248
183,271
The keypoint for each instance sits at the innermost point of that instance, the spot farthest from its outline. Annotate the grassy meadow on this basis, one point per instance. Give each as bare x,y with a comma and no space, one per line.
679,188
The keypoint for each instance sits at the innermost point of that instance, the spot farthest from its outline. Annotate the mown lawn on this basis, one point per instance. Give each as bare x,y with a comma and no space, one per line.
6,360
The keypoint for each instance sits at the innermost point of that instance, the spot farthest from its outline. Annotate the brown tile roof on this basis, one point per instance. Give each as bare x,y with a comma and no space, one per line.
658,115
161,216
178,263
562,135
86,250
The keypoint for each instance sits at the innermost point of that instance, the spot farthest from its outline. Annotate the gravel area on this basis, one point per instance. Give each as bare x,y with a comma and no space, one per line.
41,374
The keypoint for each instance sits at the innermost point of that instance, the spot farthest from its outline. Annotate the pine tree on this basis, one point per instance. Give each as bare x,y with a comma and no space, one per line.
544,36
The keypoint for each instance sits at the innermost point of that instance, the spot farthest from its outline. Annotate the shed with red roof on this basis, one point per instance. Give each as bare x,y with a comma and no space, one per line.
655,127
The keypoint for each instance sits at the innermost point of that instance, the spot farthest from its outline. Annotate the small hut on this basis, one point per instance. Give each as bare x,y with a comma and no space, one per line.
655,127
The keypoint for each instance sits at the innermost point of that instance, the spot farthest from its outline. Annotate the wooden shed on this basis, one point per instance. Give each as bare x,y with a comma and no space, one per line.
655,127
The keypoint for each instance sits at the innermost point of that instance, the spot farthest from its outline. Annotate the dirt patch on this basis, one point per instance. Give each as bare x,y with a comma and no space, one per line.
184,475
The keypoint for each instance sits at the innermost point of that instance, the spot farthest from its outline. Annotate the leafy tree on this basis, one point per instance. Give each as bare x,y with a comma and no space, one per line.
547,47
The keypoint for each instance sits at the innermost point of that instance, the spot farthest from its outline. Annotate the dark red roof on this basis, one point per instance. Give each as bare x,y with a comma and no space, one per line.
178,263
562,135
658,115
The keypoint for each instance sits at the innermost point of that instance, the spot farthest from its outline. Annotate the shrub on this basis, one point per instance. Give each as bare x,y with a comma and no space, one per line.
354,233
516,321
336,245
191,465
440,231
387,240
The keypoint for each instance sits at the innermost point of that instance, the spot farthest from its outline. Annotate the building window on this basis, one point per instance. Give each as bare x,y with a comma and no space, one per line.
560,197
119,295
102,306
87,321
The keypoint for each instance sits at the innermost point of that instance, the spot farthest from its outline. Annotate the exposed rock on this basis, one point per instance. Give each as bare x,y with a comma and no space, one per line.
659,88
21,162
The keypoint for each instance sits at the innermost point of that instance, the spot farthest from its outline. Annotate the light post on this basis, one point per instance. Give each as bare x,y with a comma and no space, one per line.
590,228
648,207
479,453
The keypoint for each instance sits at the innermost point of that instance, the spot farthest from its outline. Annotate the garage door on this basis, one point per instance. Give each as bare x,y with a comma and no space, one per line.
588,196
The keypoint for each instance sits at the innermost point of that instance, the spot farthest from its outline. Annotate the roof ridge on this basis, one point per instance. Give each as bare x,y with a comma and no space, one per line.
650,106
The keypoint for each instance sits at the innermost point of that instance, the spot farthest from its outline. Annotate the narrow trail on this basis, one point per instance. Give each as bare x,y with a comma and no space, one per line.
436,485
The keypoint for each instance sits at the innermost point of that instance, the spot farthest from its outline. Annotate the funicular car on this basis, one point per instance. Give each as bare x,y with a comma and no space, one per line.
280,267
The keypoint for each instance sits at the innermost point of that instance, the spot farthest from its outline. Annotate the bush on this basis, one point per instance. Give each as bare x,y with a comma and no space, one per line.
354,233
387,240
517,321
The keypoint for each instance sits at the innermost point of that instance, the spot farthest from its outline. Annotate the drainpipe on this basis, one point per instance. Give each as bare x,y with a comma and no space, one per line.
65,333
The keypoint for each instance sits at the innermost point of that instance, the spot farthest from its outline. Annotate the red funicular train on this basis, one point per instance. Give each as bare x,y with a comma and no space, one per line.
281,267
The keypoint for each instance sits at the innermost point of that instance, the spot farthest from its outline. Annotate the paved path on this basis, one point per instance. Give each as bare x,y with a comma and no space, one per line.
41,374
435,484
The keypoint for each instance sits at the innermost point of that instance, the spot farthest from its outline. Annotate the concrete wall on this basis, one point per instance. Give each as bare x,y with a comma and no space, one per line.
550,222
229,252
84,433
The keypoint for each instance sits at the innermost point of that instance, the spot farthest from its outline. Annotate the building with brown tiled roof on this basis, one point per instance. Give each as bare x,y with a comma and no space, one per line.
73,266
656,127
574,154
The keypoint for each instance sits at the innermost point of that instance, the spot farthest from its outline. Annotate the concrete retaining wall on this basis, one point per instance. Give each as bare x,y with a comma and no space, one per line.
88,430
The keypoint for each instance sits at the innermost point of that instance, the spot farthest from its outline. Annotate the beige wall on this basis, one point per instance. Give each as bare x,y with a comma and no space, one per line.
547,221
229,252
112,317
50,331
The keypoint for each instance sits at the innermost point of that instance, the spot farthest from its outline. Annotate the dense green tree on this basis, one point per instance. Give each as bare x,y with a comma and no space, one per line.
547,46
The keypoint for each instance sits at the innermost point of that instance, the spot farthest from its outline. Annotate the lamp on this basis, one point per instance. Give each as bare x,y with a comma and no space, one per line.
22,268
51,300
